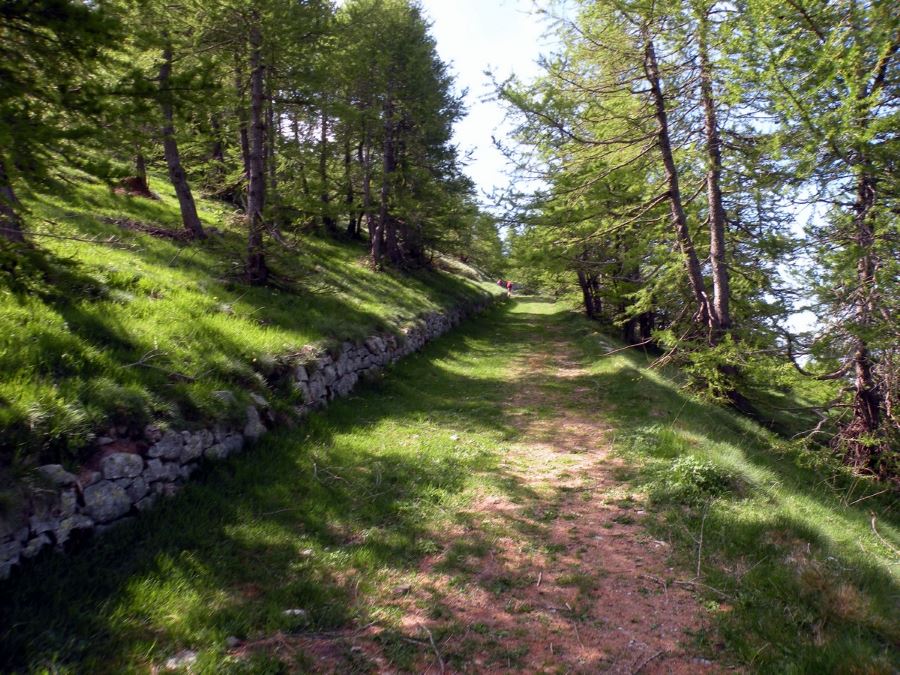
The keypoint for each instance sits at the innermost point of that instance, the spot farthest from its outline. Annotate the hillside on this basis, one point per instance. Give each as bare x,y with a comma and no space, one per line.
514,498
117,320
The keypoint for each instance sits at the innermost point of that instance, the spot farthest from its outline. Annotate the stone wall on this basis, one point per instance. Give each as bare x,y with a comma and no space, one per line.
128,475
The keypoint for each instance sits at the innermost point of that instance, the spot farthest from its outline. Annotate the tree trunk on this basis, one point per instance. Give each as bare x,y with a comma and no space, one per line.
679,220
241,114
388,166
364,154
217,152
867,399
257,272
170,147
10,222
324,197
721,317
140,173
586,294
352,222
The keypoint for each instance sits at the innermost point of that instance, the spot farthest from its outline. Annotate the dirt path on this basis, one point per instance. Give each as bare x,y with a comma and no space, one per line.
556,575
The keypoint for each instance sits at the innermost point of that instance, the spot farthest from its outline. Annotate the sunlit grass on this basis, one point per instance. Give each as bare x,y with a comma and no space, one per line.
332,517
135,327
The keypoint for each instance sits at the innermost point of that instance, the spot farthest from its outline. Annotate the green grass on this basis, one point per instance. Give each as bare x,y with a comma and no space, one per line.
335,516
136,327
800,581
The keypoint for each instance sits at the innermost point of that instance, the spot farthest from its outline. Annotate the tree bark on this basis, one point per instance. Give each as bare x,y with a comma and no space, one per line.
387,170
679,220
720,312
241,114
586,294
364,155
257,271
352,222
10,222
140,173
324,196
867,399
177,177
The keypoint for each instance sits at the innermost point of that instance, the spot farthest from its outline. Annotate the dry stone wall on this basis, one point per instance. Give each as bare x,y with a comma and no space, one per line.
125,478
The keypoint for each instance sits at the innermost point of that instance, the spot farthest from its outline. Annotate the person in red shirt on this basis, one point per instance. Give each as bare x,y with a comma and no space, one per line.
508,289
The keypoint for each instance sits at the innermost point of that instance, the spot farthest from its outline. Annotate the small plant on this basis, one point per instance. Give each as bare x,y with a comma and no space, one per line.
694,480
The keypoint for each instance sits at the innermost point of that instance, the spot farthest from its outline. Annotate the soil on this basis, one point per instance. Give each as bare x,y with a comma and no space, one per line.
562,577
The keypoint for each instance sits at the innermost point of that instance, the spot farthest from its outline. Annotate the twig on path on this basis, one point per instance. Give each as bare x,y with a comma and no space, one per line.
434,647
622,349
578,635
882,539
661,582
700,544
647,660
695,584
540,576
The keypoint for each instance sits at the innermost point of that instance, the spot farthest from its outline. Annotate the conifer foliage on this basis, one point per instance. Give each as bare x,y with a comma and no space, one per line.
302,114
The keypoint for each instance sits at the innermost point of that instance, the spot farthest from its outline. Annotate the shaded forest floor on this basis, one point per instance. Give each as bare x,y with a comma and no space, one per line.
511,499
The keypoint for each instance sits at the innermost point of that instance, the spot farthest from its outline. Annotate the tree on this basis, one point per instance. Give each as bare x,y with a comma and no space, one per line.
49,50
828,74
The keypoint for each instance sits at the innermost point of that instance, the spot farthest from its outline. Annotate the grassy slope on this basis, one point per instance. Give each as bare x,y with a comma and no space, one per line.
333,519
73,322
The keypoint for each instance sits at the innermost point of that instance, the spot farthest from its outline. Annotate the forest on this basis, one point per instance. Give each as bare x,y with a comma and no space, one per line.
707,171
284,388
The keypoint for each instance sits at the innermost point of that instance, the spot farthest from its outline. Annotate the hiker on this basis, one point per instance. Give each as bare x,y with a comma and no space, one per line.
508,289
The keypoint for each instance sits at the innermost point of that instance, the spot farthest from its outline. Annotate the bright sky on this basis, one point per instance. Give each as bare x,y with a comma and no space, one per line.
503,36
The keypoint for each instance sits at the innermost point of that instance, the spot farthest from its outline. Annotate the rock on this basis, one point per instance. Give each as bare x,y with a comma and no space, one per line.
186,471
182,659
194,445
105,440
105,501
227,397
157,471
57,475
10,551
69,525
68,503
121,465
40,525
300,374
152,433
168,447
232,642
6,568
229,445
88,478
302,386
164,489
34,546
259,401
146,503
254,427
299,613
138,489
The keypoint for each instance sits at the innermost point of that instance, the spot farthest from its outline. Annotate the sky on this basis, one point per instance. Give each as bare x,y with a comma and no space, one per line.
503,36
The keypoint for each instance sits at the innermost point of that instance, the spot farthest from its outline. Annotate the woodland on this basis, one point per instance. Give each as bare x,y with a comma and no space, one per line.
686,408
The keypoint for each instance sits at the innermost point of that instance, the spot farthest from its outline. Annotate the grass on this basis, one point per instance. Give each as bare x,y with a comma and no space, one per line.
127,327
799,580
336,517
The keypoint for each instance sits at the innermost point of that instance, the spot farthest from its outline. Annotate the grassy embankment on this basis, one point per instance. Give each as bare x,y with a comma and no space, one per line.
334,519
137,327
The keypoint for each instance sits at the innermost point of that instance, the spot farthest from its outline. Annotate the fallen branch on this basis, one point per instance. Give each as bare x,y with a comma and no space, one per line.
646,661
882,539
437,653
